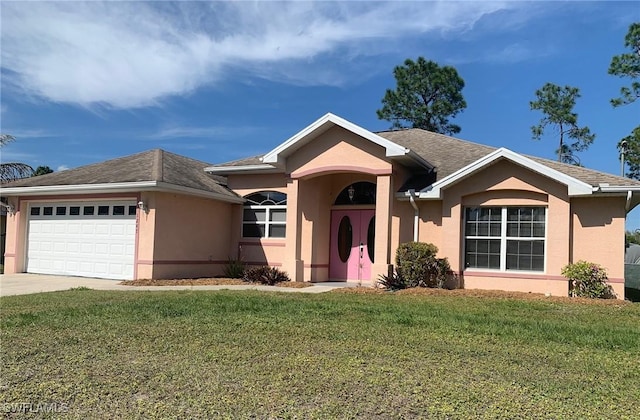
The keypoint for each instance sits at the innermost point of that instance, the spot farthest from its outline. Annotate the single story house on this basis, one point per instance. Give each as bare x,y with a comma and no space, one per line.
332,202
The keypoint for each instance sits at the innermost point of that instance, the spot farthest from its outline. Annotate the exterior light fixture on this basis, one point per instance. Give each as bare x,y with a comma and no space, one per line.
143,206
9,208
352,192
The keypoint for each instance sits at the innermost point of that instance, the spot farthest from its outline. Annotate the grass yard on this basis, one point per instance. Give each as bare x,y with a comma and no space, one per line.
339,355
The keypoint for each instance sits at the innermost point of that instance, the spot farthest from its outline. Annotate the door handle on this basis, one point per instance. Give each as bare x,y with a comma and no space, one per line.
361,250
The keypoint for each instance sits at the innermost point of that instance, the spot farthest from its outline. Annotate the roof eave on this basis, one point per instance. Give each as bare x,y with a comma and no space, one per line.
616,189
575,187
245,169
120,187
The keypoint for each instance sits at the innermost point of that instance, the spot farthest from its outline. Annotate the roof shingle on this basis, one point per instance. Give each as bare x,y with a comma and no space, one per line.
152,165
449,154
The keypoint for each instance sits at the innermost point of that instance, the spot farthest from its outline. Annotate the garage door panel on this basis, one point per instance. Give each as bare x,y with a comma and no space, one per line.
88,229
102,229
81,243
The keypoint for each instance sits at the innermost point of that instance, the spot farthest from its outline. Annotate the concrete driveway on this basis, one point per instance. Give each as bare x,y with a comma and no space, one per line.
24,284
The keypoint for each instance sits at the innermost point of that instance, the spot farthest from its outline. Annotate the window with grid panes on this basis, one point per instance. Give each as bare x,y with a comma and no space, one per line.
505,238
265,215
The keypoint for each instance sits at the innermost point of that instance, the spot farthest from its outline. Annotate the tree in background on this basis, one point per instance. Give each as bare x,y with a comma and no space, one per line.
11,171
628,65
556,103
42,170
426,96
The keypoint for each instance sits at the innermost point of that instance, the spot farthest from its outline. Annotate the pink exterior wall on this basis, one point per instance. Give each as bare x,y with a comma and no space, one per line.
14,240
319,172
179,236
573,226
338,151
254,251
191,235
146,237
598,235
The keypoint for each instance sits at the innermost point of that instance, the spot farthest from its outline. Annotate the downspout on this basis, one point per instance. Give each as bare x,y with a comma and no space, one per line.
628,203
416,214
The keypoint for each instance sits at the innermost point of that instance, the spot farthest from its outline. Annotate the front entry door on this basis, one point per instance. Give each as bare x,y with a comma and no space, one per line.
352,244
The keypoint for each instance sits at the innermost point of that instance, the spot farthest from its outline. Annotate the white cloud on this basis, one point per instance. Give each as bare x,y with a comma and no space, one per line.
177,132
128,55
62,168
28,133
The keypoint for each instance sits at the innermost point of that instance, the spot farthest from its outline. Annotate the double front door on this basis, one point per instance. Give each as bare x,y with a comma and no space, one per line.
352,244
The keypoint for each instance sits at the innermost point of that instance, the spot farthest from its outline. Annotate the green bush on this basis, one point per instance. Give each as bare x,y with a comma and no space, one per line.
588,280
417,266
265,275
234,269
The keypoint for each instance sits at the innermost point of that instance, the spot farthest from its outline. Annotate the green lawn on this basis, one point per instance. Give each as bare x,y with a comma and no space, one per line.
276,355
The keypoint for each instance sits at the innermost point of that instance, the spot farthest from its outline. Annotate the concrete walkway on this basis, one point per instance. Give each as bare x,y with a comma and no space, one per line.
23,284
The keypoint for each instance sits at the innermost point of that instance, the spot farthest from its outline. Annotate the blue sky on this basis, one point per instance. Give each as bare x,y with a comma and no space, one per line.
217,81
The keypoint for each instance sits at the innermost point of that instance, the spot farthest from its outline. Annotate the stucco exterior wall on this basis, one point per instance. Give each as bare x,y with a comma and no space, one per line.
508,184
191,237
317,172
246,184
598,235
338,151
145,240
15,237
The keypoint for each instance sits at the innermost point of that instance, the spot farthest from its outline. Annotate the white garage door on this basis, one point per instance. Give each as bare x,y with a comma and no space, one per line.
91,239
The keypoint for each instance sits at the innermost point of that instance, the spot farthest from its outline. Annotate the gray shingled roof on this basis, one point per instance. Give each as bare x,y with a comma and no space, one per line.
449,154
153,165
253,160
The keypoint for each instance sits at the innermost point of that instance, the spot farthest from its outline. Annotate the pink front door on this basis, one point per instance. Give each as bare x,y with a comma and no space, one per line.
352,242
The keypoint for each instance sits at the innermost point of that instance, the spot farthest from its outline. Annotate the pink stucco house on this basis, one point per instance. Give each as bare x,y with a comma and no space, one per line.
333,202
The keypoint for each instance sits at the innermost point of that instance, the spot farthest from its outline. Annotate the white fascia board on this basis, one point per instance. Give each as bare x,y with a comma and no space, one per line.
419,159
120,187
391,148
575,187
616,189
259,168
79,188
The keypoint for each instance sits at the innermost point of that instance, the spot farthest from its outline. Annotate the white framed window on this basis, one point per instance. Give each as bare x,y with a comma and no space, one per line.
265,215
505,238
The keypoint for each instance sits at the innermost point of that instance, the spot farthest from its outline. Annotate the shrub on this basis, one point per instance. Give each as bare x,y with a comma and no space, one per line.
587,280
265,275
417,266
234,269
392,281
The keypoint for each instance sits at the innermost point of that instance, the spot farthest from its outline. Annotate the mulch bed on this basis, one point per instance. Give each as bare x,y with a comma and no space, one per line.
417,291
206,282
496,294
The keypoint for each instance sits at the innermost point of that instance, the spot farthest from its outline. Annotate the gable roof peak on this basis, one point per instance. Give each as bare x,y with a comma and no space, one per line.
321,125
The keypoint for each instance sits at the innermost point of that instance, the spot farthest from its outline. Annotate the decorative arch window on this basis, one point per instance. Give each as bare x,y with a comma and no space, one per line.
265,215
357,193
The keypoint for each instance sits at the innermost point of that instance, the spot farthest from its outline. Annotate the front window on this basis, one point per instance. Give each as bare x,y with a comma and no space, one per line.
265,215
505,238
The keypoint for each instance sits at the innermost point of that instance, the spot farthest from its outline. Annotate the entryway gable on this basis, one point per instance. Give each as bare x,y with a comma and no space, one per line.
338,150
281,152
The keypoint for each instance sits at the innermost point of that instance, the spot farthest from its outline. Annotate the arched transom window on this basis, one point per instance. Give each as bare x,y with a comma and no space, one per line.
265,215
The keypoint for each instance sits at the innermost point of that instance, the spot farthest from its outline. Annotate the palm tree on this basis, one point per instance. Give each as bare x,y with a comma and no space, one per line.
11,171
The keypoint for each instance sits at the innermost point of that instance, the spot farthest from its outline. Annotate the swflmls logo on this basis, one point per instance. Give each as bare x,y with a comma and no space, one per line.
34,407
